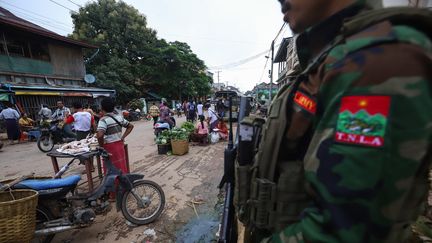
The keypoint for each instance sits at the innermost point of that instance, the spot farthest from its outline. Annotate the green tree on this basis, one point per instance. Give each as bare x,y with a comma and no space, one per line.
131,59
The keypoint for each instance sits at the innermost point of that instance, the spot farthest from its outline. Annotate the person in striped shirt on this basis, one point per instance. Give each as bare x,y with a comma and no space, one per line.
110,136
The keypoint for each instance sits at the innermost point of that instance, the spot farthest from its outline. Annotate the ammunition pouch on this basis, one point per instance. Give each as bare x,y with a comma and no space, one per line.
242,191
273,206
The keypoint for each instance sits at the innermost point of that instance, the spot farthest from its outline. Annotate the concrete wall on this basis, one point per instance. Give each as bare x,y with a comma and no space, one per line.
66,60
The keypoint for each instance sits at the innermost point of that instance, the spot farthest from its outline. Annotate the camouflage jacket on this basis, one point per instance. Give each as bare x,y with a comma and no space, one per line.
369,104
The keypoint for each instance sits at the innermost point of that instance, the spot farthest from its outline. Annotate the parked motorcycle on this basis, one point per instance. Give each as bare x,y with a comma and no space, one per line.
51,134
60,208
161,126
131,115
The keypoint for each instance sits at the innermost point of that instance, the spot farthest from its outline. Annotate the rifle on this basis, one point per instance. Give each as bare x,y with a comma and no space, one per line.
228,226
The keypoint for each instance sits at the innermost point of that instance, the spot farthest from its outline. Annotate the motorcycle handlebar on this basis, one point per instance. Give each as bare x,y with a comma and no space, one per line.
103,152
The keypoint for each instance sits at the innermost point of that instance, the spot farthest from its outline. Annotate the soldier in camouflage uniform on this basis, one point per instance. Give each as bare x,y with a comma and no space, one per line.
359,120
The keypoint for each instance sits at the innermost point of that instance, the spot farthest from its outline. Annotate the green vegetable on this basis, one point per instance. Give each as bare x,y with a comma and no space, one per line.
179,134
189,126
175,134
164,137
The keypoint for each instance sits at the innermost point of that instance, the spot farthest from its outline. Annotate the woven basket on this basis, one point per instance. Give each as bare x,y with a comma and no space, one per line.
179,147
17,215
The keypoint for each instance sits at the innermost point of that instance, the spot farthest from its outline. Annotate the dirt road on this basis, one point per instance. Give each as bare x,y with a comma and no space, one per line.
192,177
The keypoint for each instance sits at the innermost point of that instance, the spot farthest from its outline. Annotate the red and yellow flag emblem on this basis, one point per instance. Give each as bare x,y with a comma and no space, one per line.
305,102
362,120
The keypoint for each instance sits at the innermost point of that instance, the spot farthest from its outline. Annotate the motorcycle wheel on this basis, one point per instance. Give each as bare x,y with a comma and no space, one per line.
45,143
42,215
152,198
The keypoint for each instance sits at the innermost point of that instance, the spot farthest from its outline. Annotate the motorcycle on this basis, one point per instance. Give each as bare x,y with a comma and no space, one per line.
161,126
51,134
60,208
131,115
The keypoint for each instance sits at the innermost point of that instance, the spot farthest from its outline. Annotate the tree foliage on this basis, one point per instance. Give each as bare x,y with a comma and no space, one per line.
131,59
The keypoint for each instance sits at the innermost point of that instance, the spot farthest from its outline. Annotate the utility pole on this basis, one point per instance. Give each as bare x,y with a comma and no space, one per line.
271,72
218,72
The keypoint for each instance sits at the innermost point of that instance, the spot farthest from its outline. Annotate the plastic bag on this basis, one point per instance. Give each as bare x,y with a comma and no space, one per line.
214,137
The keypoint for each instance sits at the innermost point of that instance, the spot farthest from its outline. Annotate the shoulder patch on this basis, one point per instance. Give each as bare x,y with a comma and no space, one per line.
362,120
305,102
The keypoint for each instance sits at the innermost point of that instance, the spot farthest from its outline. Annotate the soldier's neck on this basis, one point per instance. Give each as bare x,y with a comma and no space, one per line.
311,42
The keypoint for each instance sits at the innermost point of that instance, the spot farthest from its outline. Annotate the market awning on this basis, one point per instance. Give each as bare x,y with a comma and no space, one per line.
76,94
96,95
37,93
62,91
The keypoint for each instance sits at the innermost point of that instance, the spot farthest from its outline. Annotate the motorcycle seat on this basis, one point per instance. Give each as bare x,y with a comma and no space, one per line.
44,184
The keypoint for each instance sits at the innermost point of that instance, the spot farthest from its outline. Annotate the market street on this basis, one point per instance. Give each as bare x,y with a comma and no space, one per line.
187,178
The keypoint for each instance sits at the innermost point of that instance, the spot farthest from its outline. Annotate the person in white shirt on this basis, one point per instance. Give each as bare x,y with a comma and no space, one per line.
11,117
178,108
61,112
45,113
213,117
200,110
83,121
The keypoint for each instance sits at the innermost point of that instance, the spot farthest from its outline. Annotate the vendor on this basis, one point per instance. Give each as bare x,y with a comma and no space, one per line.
201,132
25,123
222,129
109,134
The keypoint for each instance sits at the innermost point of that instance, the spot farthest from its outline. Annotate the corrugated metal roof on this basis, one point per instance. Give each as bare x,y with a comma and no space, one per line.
9,19
81,89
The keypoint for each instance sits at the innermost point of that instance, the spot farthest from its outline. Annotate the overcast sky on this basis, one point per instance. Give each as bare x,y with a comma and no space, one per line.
220,32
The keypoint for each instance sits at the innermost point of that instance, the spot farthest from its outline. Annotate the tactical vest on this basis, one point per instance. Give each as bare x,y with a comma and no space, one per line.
271,193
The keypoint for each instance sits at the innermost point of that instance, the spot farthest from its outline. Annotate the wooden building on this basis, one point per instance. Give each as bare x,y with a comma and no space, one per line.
42,67
287,60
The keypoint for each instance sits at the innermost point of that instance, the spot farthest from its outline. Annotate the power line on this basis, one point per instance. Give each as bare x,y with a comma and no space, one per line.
265,66
280,31
36,14
213,39
226,66
241,62
76,4
42,21
61,5
246,60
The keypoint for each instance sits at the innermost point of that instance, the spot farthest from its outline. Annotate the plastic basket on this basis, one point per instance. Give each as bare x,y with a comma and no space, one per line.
18,215
163,148
179,147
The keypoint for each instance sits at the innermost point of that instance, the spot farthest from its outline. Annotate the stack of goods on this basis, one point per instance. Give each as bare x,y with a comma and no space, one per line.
79,147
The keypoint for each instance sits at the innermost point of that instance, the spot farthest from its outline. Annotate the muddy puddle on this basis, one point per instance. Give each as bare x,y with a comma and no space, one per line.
202,230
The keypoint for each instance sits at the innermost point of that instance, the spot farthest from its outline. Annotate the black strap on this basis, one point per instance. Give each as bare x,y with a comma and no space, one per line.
118,123
218,117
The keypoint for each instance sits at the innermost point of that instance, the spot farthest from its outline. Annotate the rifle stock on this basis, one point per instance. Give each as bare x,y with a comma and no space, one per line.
228,229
